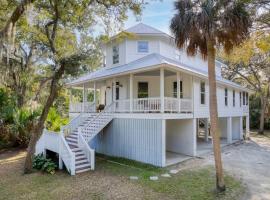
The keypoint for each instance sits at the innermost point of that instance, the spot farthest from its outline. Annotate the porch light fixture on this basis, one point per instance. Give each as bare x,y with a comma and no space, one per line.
108,87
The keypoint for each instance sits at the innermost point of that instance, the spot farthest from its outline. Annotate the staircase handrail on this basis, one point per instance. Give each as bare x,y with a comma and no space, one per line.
106,110
73,124
89,152
70,165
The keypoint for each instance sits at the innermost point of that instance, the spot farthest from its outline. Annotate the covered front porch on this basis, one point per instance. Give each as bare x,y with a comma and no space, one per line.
160,90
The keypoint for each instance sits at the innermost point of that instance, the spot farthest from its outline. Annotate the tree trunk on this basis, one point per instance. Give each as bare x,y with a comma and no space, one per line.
16,15
38,128
214,117
262,112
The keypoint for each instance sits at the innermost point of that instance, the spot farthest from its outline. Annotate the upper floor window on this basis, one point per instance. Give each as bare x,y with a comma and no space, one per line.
202,91
143,47
115,54
233,98
226,96
175,89
240,96
244,98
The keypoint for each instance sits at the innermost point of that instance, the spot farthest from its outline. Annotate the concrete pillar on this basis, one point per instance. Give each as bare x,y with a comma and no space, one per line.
206,130
241,128
60,163
194,144
131,92
229,130
178,90
163,140
247,126
162,89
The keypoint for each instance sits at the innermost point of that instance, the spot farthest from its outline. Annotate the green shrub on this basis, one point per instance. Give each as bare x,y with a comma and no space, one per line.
55,120
44,164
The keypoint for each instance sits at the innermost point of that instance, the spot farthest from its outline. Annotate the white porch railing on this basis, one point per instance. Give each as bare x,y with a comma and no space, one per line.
79,107
153,104
72,125
56,142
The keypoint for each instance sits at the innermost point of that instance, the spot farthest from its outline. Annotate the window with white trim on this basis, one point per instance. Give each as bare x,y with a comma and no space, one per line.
142,47
115,54
202,91
226,96
240,96
175,89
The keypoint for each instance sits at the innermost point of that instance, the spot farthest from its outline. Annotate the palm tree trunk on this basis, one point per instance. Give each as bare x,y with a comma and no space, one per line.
262,112
214,116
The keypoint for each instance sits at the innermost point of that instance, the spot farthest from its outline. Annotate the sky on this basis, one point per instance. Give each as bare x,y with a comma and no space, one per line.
157,14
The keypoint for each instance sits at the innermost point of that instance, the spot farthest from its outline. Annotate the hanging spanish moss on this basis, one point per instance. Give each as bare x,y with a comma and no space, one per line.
8,32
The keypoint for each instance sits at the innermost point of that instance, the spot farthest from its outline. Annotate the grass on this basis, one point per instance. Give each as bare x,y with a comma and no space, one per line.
110,180
187,184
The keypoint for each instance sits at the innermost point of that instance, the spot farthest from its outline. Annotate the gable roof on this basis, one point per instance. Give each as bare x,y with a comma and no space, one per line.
143,29
148,62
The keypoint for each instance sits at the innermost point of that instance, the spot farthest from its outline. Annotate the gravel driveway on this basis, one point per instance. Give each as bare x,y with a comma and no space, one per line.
250,161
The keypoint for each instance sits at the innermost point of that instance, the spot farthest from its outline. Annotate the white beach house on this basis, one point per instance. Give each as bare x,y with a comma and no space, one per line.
156,106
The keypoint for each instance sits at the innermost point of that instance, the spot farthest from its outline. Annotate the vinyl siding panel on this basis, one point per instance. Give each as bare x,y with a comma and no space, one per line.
135,139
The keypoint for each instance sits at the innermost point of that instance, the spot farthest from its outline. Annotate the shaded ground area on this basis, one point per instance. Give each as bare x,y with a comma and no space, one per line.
109,181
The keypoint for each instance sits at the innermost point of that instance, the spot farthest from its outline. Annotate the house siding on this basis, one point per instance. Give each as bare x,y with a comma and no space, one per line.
135,139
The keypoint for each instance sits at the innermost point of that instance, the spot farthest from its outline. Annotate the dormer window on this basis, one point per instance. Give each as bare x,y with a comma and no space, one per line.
115,54
143,47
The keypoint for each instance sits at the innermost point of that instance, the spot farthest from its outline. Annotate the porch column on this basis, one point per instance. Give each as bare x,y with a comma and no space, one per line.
163,142
131,92
229,130
162,90
178,90
241,127
84,97
95,98
247,126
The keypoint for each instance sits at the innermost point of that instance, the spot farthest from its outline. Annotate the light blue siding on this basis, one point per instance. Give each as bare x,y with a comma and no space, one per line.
136,139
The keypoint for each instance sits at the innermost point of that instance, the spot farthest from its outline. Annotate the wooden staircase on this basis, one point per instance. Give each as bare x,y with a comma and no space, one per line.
86,129
81,162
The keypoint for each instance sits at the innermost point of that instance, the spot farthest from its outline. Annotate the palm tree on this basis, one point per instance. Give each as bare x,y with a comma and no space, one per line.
202,26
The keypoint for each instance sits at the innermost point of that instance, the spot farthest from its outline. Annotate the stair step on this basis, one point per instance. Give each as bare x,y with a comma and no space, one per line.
73,147
81,158
82,170
73,137
72,140
83,165
75,143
